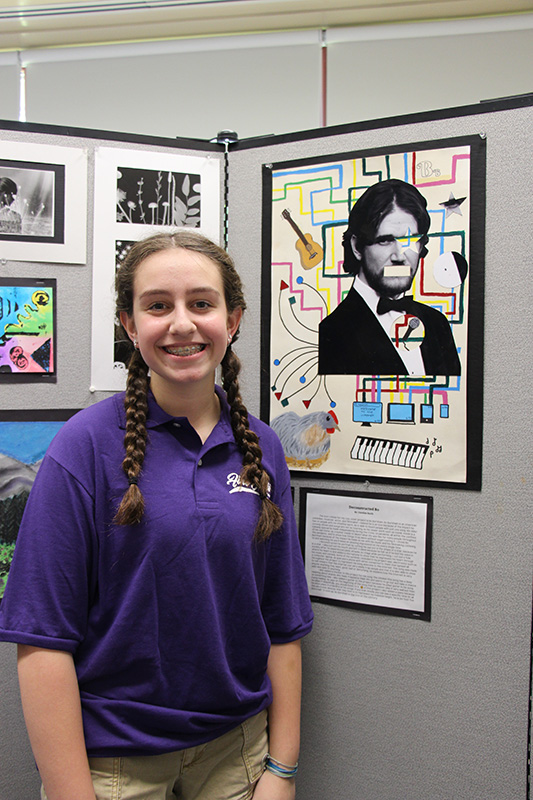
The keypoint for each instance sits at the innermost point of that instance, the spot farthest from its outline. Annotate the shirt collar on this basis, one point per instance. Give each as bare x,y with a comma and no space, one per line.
369,295
156,415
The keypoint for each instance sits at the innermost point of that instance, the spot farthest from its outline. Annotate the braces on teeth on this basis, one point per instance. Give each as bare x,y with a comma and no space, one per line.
185,351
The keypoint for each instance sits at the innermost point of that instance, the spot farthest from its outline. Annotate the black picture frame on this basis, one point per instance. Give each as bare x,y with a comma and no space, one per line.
471,382
41,197
332,554
28,330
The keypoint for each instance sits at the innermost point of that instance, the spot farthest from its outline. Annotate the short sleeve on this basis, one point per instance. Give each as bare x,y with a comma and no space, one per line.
49,585
286,605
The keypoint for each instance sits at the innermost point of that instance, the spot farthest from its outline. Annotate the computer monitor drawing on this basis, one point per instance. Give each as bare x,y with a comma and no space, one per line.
367,413
401,412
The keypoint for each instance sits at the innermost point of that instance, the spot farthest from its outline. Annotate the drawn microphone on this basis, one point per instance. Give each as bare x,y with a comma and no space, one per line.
412,325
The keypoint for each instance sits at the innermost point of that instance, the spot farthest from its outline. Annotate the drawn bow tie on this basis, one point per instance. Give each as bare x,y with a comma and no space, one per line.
403,304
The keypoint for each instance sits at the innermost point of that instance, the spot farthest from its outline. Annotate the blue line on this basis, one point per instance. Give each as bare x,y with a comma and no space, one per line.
310,171
406,168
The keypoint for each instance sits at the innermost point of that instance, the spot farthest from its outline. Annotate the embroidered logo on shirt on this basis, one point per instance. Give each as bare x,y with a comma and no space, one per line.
234,479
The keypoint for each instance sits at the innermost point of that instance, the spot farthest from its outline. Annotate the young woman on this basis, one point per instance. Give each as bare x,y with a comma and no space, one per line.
157,592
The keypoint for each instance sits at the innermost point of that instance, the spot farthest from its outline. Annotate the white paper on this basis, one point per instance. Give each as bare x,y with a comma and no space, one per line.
366,549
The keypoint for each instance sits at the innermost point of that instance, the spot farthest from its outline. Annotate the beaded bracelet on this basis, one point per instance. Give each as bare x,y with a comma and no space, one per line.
278,768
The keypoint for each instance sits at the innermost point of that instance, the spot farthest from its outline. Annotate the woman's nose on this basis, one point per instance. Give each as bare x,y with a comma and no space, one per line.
182,322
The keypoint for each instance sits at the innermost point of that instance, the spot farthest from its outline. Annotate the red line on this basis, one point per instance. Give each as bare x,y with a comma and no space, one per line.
423,293
396,390
397,328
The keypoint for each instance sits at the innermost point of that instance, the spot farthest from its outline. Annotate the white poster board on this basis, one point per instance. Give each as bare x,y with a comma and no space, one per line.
138,193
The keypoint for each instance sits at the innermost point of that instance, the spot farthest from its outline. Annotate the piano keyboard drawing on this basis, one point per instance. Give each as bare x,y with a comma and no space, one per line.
388,451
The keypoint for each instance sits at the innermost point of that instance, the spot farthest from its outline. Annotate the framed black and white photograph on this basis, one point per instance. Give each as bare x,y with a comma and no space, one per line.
43,203
32,202
158,197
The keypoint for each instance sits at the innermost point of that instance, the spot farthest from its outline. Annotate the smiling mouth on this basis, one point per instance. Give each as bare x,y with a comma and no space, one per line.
186,350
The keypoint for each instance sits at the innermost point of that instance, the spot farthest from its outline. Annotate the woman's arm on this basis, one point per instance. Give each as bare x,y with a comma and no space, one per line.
285,673
52,710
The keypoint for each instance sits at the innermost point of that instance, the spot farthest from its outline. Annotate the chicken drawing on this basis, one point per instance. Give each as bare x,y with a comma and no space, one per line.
305,440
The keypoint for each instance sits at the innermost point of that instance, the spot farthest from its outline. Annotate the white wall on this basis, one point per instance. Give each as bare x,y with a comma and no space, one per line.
271,83
375,79
9,91
192,94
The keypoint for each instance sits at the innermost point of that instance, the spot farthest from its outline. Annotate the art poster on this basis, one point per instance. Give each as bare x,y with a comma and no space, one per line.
43,203
24,439
373,312
27,330
138,193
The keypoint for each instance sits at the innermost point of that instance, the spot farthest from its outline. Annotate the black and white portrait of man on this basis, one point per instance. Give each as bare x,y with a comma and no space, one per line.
383,245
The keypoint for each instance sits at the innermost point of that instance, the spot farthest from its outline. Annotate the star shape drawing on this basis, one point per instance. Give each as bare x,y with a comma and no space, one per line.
452,205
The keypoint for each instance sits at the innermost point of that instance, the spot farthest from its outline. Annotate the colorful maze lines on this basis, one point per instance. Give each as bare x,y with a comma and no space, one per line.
317,190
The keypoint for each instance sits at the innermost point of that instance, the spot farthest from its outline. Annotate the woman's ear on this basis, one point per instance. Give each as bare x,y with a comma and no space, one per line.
127,323
357,253
234,320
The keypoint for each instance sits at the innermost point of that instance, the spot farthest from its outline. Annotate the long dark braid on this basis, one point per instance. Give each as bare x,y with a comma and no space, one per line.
131,508
253,472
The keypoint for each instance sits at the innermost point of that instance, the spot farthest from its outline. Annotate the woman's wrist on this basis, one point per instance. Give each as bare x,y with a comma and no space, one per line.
279,768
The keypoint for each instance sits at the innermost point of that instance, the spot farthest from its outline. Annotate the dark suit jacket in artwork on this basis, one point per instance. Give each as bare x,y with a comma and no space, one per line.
351,341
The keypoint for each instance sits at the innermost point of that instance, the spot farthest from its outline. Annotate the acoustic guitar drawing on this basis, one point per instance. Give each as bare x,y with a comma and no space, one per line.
310,252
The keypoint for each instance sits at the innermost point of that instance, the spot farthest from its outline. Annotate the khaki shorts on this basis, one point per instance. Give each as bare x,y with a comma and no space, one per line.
225,769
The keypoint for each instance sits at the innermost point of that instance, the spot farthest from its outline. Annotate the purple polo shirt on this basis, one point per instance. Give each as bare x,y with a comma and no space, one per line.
170,621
